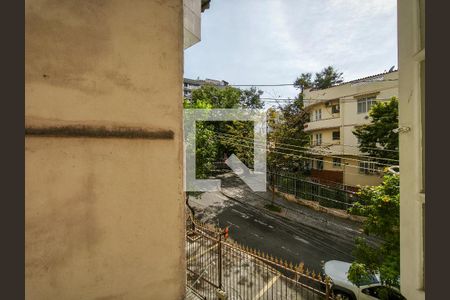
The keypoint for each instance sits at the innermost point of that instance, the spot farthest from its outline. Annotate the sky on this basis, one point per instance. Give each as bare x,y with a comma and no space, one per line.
274,41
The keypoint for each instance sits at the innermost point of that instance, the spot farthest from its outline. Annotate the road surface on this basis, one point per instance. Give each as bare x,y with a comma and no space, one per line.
277,236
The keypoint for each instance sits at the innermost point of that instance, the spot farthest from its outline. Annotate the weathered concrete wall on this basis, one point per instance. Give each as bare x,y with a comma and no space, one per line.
104,203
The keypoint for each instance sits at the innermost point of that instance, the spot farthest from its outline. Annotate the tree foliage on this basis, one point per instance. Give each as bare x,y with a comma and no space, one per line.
381,207
379,135
204,136
328,77
214,140
303,82
287,127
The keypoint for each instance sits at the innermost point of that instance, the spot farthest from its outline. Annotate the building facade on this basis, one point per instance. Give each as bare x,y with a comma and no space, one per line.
334,113
104,197
190,85
411,58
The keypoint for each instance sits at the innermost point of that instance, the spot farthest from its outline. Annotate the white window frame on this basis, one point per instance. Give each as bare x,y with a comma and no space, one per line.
318,115
363,105
318,140
368,167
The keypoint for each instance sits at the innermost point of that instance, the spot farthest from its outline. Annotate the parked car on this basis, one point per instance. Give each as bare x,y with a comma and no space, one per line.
344,289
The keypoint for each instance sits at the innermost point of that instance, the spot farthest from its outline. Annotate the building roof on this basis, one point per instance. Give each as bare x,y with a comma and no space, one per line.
193,81
205,81
359,79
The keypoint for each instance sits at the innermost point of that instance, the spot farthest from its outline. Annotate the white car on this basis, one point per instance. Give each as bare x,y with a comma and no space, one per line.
342,287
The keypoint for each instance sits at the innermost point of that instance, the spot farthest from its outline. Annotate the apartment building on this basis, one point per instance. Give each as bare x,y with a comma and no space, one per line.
334,113
104,197
190,85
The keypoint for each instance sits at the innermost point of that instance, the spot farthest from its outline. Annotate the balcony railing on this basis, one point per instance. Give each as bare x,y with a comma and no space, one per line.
218,268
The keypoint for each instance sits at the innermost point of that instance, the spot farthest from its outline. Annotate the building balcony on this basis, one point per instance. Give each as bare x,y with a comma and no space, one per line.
323,124
192,10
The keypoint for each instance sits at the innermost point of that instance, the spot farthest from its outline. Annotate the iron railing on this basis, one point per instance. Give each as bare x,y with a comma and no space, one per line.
218,268
299,187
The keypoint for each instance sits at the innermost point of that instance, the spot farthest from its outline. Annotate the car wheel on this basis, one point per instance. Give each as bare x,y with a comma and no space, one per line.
342,296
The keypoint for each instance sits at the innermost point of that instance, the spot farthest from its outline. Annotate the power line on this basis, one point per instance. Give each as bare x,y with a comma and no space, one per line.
311,150
308,158
308,152
346,145
300,157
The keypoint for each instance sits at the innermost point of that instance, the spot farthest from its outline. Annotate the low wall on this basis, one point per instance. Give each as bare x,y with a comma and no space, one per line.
341,213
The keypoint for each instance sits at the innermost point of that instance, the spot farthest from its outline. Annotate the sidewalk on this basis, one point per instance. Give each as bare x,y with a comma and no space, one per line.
234,188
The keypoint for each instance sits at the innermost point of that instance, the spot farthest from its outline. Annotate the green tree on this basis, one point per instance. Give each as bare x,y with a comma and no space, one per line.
206,148
215,139
287,131
381,207
237,136
228,97
303,82
379,135
251,99
326,78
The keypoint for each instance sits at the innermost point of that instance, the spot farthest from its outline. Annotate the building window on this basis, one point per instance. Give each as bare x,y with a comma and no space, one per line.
365,104
318,114
370,102
362,106
367,167
319,164
337,162
318,140
335,109
336,135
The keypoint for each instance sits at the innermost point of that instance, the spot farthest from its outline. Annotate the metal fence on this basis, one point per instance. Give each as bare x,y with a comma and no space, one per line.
328,195
306,189
218,268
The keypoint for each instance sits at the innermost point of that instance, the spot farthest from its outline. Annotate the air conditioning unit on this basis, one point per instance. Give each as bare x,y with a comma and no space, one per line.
327,103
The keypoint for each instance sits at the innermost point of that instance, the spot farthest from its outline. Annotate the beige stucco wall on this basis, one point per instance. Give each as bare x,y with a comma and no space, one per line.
104,217
350,168
353,177
412,190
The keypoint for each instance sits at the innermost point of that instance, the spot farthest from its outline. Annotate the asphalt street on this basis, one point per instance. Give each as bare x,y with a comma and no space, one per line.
279,237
